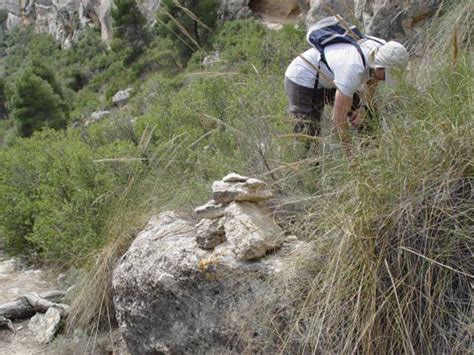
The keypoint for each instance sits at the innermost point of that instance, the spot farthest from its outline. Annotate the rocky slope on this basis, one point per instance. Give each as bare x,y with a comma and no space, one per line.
65,18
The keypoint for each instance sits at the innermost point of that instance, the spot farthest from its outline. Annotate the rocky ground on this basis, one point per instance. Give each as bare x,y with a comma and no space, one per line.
15,281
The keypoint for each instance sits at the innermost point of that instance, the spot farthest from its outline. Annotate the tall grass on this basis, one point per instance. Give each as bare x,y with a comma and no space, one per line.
393,240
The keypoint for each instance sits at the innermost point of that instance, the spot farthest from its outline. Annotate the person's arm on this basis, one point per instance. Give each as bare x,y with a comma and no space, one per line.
342,106
367,103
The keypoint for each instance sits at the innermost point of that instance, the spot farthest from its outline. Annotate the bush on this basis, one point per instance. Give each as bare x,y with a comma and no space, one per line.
34,105
249,44
53,197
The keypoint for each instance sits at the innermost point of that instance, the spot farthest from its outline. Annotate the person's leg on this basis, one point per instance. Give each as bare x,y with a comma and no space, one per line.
302,106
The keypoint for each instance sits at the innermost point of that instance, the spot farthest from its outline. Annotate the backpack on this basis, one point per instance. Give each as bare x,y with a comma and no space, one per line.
333,30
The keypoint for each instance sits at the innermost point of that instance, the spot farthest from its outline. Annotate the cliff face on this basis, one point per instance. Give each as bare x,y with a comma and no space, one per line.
388,19
65,18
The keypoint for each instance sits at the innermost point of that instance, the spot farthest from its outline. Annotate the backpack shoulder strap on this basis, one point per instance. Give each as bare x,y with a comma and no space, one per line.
317,70
361,54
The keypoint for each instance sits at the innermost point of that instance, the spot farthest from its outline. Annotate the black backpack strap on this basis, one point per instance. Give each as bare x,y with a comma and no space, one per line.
316,81
361,54
322,58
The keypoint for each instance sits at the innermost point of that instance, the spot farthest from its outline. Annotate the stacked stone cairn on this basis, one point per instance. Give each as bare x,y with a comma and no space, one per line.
236,215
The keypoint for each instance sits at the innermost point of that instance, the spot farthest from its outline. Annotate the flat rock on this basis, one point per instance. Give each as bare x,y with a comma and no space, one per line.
45,326
224,193
234,177
251,230
210,210
255,196
255,191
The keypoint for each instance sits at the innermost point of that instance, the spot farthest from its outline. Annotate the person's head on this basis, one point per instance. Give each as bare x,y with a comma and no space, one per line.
387,58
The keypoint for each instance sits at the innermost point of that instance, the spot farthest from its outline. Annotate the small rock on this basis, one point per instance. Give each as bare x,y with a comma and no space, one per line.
234,177
211,59
96,117
7,267
121,97
210,210
254,184
273,26
45,326
251,230
255,196
224,193
210,233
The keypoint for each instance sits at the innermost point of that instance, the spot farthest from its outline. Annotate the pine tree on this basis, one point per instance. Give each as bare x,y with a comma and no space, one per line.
130,26
35,104
188,24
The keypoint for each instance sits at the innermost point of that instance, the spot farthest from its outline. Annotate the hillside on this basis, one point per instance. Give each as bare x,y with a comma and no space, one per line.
108,122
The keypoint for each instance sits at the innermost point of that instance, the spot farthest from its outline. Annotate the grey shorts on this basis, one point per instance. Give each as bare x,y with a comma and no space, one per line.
307,101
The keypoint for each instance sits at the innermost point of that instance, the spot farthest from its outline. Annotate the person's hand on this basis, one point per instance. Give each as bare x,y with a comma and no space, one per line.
357,117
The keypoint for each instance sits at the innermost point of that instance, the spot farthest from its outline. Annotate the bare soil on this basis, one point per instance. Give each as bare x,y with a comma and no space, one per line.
15,281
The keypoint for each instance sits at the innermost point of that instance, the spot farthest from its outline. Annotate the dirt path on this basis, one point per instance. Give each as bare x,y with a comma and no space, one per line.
15,281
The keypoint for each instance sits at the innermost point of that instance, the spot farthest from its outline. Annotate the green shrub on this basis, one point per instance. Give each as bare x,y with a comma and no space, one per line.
241,41
34,105
249,43
53,196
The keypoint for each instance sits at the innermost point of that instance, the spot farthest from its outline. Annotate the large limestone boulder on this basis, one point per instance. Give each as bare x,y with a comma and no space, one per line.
188,287
173,297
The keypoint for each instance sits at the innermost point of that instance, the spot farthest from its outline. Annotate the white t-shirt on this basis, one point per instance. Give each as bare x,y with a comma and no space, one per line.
348,72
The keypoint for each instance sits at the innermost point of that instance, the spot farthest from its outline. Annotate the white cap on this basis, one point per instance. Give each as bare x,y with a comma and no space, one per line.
392,55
